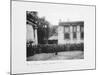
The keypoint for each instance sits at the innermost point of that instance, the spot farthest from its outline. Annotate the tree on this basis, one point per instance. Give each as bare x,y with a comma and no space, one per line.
43,31
41,24
32,18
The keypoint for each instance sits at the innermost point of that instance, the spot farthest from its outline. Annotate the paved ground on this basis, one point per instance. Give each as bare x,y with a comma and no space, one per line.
61,56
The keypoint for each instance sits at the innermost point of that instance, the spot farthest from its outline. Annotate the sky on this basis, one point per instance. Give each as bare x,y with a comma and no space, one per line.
54,13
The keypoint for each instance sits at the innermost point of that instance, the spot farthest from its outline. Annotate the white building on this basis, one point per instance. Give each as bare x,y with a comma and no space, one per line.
71,32
31,28
31,34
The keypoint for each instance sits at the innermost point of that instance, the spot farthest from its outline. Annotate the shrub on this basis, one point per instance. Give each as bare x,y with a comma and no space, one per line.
51,48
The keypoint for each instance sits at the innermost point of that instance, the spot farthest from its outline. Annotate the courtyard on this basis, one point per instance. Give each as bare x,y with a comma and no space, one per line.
60,56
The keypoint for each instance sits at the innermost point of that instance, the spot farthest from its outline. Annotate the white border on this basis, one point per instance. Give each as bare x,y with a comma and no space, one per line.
19,63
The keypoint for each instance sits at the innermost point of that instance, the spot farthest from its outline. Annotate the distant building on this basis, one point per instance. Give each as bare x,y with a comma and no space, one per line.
71,32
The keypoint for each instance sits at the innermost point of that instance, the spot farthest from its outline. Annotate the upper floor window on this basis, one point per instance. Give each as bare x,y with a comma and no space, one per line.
66,29
82,28
74,28
74,32
82,32
66,32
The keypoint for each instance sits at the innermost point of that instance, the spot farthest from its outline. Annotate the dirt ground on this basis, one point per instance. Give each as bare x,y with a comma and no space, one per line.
60,56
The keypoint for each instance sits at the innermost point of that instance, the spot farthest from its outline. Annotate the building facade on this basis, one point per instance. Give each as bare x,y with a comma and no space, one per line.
31,27
71,32
31,34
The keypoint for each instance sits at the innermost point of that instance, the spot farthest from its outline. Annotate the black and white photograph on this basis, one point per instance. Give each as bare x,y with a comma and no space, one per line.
51,35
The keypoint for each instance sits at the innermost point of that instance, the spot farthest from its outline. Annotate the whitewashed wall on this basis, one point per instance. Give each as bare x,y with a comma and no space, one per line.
61,39
29,33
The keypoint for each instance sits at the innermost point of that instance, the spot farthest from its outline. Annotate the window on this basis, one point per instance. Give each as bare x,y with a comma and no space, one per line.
82,35
82,32
67,29
81,28
74,28
66,36
74,32
66,32
78,28
74,35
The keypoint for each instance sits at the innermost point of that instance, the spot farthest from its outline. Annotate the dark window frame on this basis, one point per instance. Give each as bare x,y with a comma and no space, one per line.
82,32
67,34
75,32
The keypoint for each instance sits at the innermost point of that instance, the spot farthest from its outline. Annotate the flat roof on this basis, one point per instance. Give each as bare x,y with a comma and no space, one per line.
71,23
